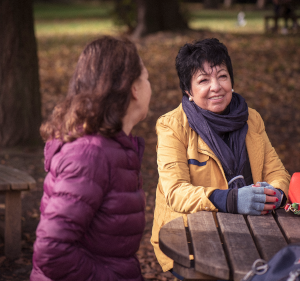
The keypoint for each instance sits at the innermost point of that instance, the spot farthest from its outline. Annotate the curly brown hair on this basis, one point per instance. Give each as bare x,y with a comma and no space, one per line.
99,92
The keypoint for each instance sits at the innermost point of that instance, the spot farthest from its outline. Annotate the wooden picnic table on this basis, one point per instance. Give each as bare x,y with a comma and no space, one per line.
224,246
12,183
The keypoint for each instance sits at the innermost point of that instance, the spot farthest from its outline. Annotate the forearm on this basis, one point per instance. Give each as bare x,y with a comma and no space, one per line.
60,260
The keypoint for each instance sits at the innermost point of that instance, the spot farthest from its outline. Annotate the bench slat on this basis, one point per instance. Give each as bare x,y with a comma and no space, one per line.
290,225
15,177
208,251
173,241
4,185
239,243
15,184
267,235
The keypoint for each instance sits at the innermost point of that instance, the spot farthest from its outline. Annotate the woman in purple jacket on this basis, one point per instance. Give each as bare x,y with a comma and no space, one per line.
92,209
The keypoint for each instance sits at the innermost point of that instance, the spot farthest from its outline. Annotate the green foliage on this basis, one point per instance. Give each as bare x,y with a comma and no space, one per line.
57,11
125,13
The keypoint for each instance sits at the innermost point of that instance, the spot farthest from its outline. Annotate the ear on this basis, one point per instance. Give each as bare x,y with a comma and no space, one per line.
189,94
134,90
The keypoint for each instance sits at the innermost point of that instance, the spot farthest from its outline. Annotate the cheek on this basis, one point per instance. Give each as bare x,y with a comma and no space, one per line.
229,97
201,95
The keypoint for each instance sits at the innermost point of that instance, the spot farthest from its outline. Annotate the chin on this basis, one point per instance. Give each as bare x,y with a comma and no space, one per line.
218,110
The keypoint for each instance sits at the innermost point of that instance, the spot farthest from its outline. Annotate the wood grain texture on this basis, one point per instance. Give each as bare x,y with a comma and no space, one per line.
239,244
208,251
190,273
267,235
173,241
17,179
290,225
2,227
12,229
4,185
12,182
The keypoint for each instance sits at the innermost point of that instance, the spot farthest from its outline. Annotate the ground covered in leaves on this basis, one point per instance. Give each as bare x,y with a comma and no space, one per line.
266,72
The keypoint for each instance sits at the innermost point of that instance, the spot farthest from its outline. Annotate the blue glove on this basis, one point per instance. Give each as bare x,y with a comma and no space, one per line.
278,193
251,200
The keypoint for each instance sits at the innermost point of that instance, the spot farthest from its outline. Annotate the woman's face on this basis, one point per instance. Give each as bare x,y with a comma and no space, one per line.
212,90
143,88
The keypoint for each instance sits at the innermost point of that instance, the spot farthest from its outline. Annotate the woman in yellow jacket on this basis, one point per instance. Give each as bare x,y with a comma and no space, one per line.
213,148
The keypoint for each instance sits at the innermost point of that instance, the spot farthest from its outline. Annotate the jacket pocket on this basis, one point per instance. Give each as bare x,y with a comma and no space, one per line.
196,162
200,169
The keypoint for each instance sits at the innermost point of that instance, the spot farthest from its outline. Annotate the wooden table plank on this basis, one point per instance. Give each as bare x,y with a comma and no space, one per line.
238,243
18,180
173,241
190,273
290,225
208,251
4,185
267,235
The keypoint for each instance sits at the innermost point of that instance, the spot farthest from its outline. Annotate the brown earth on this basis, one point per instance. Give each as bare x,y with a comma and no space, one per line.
266,69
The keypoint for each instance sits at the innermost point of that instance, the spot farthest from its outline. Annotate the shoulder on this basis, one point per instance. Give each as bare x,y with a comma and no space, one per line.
79,170
175,119
85,156
255,122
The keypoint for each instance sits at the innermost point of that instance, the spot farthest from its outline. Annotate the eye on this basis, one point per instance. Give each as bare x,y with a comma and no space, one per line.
202,81
223,76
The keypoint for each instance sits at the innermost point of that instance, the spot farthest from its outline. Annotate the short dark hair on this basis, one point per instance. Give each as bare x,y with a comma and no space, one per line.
192,56
99,91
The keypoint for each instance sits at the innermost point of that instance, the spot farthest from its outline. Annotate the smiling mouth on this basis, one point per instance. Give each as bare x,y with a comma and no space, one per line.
216,98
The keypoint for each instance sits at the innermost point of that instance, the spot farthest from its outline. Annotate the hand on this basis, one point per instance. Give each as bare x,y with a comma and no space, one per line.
252,198
276,193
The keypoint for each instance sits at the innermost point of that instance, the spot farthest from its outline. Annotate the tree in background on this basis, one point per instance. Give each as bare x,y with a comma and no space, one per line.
148,16
211,4
228,3
260,4
20,102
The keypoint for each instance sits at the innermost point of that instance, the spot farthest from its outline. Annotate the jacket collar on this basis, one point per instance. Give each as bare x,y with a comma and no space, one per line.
137,144
51,148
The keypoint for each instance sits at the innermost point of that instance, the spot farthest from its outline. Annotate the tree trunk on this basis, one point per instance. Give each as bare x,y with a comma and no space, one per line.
158,15
211,4
20,102
140,29
260,4
228,3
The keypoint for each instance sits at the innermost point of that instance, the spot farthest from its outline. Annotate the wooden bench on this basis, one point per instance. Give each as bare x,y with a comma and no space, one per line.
224,246
12,183
277,18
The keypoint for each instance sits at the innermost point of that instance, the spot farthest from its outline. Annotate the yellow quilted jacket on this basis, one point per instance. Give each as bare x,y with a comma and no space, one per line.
185,188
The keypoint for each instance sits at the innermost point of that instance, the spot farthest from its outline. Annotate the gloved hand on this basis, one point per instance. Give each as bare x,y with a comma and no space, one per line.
251,200
277,194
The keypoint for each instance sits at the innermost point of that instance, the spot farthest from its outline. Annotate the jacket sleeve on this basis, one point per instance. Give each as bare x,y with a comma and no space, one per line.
273,171
174,174
77,194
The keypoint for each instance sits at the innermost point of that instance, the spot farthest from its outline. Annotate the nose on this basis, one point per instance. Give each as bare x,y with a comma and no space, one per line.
215,85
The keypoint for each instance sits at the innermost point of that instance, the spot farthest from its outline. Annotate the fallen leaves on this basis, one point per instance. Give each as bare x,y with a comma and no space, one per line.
266,72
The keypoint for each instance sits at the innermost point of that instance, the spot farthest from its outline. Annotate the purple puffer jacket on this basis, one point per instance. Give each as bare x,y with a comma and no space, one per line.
92,211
